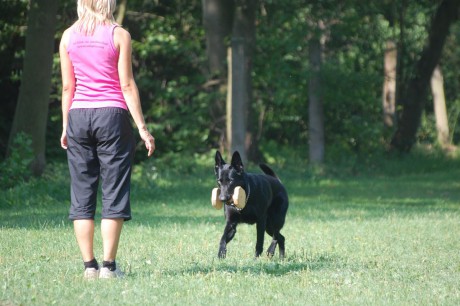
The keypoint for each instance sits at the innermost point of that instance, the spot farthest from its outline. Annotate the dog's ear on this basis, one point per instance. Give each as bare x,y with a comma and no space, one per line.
237,163
219,161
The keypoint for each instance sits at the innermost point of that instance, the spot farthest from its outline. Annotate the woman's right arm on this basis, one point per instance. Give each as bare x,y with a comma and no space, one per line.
68,84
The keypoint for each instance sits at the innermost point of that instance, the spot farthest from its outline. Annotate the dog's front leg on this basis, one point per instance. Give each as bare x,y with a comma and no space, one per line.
261,224
229,233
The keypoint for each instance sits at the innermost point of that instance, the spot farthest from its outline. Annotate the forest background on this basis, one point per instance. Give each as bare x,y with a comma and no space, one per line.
318,75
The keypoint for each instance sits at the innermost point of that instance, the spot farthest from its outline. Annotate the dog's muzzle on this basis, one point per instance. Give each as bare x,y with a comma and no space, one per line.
238,199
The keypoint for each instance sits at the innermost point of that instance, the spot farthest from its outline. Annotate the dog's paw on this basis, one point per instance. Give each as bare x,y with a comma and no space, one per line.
222,254
215,201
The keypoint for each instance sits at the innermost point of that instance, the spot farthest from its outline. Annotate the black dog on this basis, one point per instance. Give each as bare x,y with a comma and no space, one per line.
266,203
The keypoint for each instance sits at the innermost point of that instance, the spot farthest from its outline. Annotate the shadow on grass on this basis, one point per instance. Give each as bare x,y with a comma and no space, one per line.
28,218
58,217
265,266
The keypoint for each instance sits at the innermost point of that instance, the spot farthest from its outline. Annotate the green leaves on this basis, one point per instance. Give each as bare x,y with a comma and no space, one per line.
15,168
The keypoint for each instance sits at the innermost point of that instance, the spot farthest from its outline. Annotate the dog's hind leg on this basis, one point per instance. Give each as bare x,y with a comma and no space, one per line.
229,233
280,239
271,248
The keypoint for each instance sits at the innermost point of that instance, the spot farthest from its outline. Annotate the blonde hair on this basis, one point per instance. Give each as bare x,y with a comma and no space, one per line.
92,13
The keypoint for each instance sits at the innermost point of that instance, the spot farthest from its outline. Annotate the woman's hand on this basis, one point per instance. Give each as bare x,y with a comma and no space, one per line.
148,140
64,139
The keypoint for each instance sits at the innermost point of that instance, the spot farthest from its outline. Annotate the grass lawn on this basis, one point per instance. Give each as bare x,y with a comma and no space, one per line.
388,235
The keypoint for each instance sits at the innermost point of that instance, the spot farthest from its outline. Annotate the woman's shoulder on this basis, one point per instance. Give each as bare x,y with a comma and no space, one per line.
71,28
121,33
67,32
121,36
66,36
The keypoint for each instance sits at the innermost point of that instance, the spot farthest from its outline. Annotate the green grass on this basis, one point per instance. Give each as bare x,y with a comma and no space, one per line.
387,236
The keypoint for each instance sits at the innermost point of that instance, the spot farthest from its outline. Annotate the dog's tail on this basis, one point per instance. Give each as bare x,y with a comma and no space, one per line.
268,171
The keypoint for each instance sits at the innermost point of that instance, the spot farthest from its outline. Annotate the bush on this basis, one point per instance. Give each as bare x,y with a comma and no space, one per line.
15,169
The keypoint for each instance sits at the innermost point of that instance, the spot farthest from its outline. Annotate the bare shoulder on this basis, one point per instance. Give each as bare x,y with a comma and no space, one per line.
65,38
121,36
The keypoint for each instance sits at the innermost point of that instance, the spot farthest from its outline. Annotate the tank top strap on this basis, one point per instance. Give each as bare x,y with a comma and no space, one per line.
111,33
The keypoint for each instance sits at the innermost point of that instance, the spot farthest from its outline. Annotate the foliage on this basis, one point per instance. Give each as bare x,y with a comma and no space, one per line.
280,80
450,59
15,169
12,44
351,77
170,69
168,55
454,120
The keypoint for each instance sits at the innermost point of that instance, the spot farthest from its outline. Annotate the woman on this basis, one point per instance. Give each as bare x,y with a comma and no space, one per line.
98,90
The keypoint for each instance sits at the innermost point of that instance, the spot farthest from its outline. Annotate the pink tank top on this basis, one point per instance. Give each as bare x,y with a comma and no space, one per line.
95,63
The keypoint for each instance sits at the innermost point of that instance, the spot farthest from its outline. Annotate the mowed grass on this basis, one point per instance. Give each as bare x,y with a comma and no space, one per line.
384,237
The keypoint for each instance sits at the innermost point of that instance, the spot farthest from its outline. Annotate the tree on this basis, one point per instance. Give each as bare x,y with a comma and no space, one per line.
31,112
235,22
439,102
389,84
12,42
239,106
315,105
320,24
217,22
413,97
121,11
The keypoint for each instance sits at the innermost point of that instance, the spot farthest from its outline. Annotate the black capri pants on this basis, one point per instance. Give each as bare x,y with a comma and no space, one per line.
100,145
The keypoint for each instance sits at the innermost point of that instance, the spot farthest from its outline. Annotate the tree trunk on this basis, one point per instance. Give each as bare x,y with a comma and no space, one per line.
315,105
413,98
121,11
389,84
245,25
32,109
237,106
217,21
229,105
240,85
439,101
